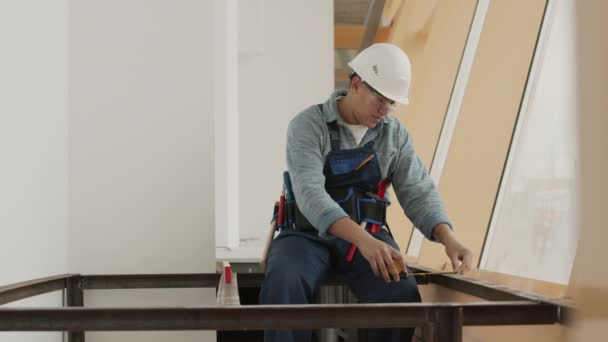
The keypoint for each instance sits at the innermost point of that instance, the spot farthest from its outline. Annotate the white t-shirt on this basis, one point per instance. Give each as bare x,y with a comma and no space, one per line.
358,131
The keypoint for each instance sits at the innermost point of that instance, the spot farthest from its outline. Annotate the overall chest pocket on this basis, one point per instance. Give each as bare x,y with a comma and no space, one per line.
357,167
347,162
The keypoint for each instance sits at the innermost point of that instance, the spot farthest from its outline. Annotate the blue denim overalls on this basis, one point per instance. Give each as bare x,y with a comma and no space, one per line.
299,259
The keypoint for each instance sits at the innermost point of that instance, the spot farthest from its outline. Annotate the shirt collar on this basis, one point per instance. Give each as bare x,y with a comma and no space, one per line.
330,108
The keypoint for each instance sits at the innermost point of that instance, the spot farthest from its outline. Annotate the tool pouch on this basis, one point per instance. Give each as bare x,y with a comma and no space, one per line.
358,205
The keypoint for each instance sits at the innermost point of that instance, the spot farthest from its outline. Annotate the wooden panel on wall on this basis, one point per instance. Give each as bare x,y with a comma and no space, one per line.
589,282
433,33
350,36
482,137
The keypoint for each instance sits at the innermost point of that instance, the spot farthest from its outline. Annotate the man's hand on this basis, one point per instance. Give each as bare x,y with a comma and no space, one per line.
384,260
460,256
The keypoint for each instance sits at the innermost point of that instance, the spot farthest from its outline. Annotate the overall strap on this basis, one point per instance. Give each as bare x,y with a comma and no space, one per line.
334,135
334,132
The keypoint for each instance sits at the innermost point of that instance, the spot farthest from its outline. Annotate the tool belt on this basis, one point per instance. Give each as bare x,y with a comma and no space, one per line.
359,206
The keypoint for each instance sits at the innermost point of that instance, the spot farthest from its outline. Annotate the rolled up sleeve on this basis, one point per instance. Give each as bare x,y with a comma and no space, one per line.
416,191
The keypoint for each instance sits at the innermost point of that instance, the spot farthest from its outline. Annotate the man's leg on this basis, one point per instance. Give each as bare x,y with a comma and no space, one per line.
368,288
295,265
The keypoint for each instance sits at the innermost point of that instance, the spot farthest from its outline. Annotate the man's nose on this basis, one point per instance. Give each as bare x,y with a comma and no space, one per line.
384,110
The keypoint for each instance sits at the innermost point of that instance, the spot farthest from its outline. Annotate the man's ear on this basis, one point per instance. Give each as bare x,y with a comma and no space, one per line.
355,84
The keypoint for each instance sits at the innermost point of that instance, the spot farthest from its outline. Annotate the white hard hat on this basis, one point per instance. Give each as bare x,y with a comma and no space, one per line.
386,68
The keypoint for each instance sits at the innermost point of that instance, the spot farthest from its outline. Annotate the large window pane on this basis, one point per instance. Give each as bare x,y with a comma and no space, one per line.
533,232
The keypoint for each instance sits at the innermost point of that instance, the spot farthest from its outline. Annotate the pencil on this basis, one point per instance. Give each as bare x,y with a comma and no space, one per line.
365,162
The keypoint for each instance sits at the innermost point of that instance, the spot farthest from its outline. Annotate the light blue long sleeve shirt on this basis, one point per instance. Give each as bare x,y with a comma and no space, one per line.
308,144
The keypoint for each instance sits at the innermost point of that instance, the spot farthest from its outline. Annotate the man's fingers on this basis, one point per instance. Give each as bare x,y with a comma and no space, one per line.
382,263
467,261
374,268
394,269
456,264
399,264
384,271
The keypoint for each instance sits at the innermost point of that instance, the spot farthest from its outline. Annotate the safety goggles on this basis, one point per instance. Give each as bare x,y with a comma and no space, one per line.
381,99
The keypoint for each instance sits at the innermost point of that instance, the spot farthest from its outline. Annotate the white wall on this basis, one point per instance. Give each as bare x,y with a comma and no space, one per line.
141,149
293,70
33,148
133,134
226,120
537,207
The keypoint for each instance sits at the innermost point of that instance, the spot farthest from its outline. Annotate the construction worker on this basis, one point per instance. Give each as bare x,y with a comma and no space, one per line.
339,152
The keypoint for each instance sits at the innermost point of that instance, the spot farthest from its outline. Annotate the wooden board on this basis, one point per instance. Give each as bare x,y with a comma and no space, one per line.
433,33
482,137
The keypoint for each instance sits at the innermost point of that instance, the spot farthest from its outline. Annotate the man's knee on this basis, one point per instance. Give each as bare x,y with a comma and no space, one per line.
286,286
405,292
289,279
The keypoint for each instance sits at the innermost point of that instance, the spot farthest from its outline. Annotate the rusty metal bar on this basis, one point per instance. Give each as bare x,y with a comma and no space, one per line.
275,317
441,321
186,280
509,313
481,289
493,292
476,288
14,292
484,289
449,323
75,298
428,332
150,281
211,318
255,280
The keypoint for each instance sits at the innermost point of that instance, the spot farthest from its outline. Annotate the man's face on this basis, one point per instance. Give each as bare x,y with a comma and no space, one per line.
373,107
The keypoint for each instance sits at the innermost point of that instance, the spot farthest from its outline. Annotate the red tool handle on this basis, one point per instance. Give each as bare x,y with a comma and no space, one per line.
374,228
281,218
351,253
381,192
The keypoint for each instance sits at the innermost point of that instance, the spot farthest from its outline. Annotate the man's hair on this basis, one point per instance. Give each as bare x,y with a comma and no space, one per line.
350,77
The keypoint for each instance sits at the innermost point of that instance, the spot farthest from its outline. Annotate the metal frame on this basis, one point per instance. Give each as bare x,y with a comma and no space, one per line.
372,22
440,321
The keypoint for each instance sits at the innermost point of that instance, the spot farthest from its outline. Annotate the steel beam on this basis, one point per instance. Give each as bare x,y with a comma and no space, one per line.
277,317
449,324
150,281
484,289
75,298
510,313
194,280
156,281
372,22
14,292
